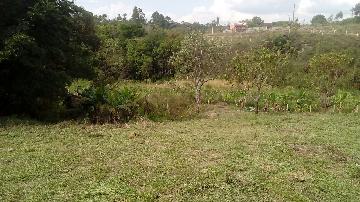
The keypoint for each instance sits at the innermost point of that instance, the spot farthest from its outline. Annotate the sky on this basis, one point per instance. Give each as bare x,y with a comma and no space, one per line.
229,11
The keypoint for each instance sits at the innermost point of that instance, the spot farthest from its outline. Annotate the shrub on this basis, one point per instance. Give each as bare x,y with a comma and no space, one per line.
107,105
165,105
344,101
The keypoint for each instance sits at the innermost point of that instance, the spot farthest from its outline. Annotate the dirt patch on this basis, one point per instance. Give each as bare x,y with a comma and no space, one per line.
332,152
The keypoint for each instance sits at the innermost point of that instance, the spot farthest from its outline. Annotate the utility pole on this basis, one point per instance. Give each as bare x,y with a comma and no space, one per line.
294,13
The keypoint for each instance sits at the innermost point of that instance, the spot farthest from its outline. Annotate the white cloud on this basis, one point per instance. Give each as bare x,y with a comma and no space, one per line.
269,10
231,10
113,10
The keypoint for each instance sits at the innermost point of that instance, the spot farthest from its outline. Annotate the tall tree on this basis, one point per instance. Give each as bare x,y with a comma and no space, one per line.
159,20
44,45
339,16
356,10
111,57
138,16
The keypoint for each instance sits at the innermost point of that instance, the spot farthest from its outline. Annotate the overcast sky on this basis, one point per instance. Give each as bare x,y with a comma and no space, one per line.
228,10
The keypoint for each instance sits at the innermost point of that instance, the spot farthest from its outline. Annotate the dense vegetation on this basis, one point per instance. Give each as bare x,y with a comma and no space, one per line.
59,61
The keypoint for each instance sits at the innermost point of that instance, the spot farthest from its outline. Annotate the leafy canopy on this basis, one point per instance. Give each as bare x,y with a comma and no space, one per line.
44,45
319,20
259,67
199,57
328,69
356,10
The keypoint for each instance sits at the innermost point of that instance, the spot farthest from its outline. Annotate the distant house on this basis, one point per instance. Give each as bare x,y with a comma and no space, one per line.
267,26
238,27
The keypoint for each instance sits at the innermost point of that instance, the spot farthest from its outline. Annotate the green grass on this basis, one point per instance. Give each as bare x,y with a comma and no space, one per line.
225,156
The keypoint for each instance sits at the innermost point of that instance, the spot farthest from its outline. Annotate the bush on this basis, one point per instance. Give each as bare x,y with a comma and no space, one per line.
344,101
107,105
101,104
167,106
123,102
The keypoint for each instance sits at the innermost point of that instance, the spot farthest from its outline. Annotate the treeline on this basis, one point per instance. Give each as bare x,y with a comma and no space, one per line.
134,49
338,18
44,45
47,44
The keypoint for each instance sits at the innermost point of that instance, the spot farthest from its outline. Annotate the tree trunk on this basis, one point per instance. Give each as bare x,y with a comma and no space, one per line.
257,104
198,96
258,99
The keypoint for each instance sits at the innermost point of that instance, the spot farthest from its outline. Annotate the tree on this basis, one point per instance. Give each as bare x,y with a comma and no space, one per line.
110,61
255,22
339,16
111,57
328,69
319,20
258,68
138,16
148,57
356,10
199,59
45,44
159,20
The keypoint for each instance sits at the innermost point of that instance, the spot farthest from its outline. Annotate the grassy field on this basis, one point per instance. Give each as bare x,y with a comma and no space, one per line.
226,155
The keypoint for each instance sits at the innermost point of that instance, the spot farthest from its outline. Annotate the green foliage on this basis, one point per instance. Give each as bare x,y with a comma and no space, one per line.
258,68
111,57
344,101
79,87
138,16
255,22
159,20
354,20
167,105
108,105
286,44
328,69
319,20
199,58
127,52
44,45
148,57
281,24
